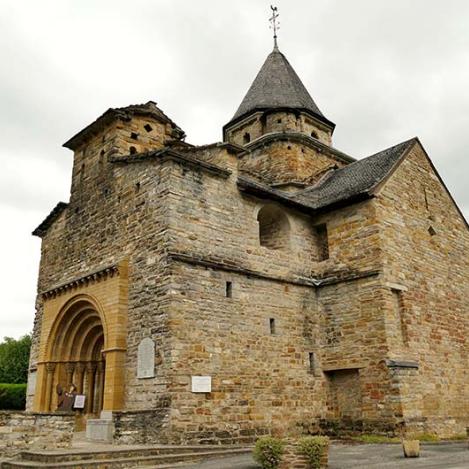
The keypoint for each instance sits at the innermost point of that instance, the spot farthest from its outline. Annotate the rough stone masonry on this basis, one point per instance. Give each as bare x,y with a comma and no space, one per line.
304,289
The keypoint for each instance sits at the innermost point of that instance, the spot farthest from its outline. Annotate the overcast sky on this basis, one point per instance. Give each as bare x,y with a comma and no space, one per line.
382,70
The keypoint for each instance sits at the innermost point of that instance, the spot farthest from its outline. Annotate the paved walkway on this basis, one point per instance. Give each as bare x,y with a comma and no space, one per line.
344,456
432,456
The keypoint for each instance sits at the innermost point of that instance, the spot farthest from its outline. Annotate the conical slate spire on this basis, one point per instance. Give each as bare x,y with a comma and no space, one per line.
277,86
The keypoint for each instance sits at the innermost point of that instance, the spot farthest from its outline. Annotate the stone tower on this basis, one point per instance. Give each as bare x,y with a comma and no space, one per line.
277,102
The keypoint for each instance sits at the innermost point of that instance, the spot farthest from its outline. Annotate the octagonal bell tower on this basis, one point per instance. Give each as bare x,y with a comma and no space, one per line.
277,101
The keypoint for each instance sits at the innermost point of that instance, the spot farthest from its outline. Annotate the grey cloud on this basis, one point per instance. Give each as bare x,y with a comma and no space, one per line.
382,71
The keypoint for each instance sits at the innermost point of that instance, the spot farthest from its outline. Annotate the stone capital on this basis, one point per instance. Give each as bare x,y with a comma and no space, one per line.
79,367
91,367
50,367
70,367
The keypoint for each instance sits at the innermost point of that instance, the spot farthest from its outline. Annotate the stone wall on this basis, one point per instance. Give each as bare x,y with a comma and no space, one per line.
289,158
432,270
21,431
261,377
142,427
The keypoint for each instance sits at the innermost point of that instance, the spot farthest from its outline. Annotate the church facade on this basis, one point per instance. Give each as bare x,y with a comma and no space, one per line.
269,283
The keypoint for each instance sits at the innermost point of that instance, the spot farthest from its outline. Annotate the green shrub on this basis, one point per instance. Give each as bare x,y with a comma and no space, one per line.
12,396
313,447
268,452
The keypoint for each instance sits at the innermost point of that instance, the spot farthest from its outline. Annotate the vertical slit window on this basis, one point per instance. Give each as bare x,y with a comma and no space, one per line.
272,325
229,289
312,363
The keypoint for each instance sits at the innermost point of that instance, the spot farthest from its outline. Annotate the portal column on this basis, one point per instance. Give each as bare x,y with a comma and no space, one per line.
50,369
99,387
90,371
69,369
79,376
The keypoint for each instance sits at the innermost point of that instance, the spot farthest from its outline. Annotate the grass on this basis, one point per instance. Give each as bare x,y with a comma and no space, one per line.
458,437
425,437
375,439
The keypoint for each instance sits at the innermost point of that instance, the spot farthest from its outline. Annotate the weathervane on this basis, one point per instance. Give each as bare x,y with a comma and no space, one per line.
275,25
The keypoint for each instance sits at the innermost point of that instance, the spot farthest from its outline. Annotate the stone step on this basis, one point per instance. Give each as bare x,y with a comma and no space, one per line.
170,460
113,452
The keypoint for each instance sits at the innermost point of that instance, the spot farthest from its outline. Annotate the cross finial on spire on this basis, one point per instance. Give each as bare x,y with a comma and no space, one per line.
275,25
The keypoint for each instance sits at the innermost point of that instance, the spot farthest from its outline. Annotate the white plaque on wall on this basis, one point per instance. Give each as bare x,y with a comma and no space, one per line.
146,359
79,401
31,388
201,384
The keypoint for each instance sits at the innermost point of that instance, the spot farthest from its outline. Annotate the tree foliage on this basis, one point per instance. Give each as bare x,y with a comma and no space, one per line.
14,359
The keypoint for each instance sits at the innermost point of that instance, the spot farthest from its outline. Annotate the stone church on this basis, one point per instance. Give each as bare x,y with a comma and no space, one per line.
267,283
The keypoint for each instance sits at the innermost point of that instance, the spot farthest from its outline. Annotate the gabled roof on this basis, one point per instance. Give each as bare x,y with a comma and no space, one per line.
360,177
277,86
124,113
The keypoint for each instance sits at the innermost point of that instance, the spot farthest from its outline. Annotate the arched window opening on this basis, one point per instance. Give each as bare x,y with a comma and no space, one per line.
274,228
314,134
132,150
247,137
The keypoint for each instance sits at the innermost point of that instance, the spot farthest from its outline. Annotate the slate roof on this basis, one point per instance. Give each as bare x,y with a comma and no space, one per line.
355,179
353,182
41,230
277,86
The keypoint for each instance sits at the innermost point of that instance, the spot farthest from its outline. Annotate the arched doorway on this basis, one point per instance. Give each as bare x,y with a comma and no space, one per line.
76,345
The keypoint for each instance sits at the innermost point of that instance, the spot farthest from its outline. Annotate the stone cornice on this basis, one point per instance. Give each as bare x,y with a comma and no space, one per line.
343,276
300,138
168,154
235,122
92,277
260,190
229,147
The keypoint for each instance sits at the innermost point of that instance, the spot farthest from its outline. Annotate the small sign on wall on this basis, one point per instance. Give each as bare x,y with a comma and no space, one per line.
201,384
79,401
146,359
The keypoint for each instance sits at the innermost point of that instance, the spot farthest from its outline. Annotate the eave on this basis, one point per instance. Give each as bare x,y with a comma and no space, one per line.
41,230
